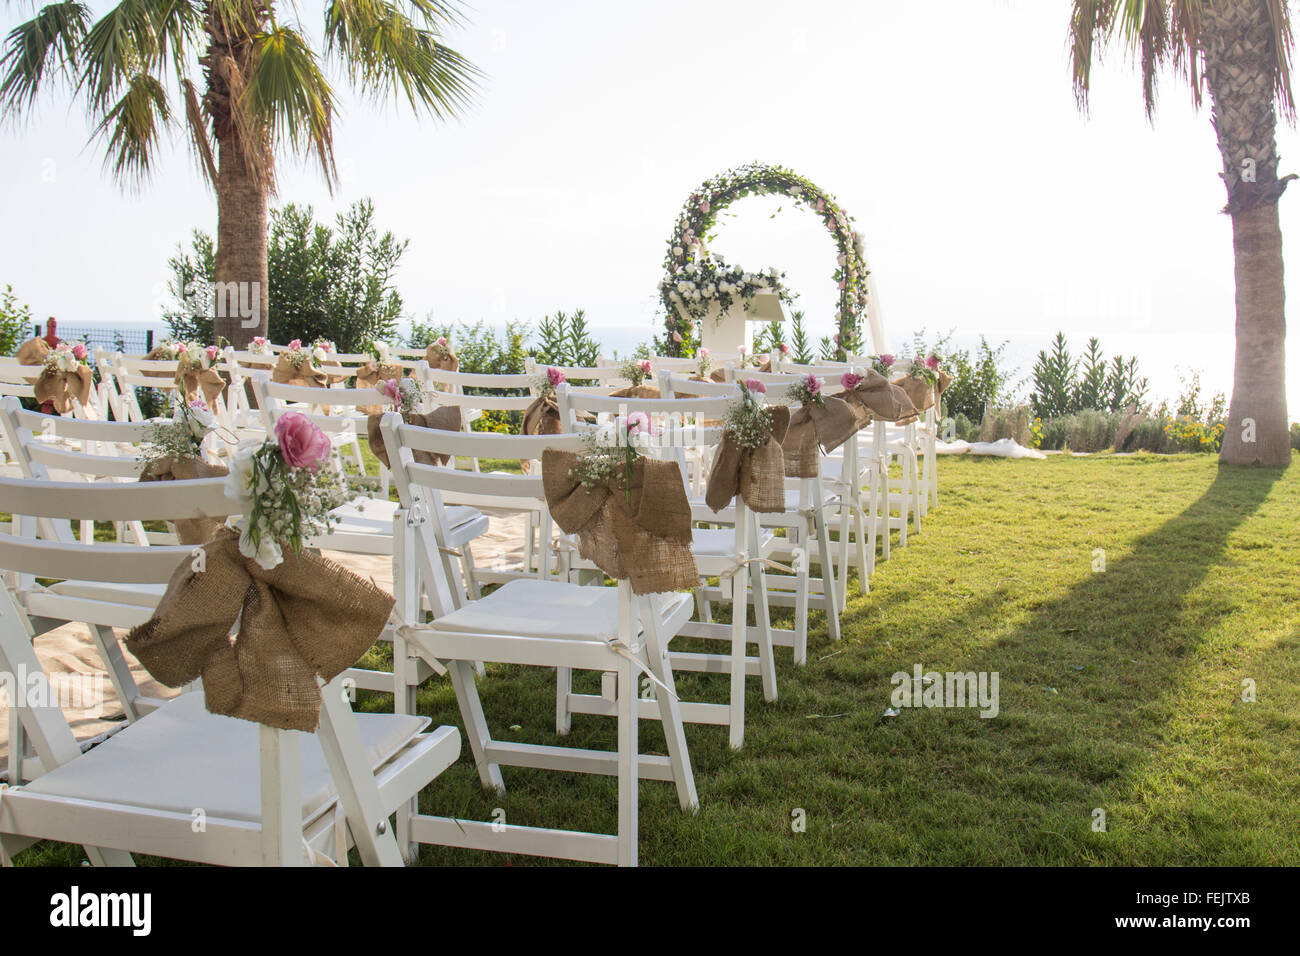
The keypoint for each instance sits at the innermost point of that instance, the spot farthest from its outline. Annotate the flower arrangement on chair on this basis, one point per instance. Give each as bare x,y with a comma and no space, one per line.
260,345
884,364
286,488
806,391
637,371
64,375
612,452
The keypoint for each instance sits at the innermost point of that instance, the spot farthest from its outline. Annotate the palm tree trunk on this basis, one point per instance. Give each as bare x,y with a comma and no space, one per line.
1238,46
240,268
1257,428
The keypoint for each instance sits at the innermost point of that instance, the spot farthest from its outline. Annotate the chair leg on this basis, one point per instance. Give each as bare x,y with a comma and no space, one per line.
629,780
563,687
766,661
670,711
801,598
118,670
476,729
739,641
828,586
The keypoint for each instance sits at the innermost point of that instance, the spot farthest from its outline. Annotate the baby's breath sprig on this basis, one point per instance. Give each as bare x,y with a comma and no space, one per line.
748,421
806,391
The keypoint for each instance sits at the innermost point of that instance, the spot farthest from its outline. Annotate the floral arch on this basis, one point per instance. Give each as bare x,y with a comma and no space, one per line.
688,257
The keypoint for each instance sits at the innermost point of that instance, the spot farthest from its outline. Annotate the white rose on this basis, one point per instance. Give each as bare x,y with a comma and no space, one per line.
266,553
239,483
320,355
677,250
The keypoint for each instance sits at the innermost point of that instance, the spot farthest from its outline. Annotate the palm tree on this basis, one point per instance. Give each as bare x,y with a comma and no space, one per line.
1240,51
263,92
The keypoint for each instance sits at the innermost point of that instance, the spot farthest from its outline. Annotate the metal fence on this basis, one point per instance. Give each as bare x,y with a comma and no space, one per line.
130,341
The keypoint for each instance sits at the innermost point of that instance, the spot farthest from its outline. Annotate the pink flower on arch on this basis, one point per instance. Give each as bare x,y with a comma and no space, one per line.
302,443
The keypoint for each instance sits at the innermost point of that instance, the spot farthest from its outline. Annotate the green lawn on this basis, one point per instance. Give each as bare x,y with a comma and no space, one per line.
1119,690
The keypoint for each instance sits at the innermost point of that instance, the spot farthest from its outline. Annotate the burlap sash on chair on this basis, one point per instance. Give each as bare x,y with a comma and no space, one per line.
444,359
188,530
446,418
158,354
33,352
542,417
877,398
206,382
369,376
306,374
305,617
636,391
647,541
814,427
60,388
756,474
922,394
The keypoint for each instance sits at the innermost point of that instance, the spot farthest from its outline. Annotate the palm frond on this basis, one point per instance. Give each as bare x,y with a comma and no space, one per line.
385,53
198,128
1283,45
133,128
44,47
122,44
286,94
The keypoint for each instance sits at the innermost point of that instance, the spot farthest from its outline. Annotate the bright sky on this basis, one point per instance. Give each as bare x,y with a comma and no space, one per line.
947,129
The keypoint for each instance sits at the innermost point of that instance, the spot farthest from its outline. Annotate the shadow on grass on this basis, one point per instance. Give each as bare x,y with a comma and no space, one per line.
1087,679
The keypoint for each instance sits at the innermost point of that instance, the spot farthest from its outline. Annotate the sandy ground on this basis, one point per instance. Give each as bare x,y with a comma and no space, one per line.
70,650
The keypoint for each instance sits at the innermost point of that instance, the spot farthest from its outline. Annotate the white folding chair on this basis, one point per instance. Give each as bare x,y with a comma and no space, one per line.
265,796
719,552
541,623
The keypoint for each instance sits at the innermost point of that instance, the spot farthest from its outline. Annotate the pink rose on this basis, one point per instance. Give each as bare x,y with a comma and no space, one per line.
554,376
296,344
79,351
639,423
391,390
886,360
703,353
850,380
677,337
212,353
754,385
932,362
644,365
259,340
302,443
785,349
814,385
442,341
704,207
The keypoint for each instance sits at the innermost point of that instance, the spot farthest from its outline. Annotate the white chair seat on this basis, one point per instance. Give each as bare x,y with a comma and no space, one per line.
137,595
721,542
551,609
181,757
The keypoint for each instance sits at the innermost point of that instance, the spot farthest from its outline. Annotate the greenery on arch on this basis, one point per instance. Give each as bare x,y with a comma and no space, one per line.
688,247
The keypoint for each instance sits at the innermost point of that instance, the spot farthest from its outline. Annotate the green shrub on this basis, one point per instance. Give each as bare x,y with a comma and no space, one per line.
15,322
325,282
1295,435
1012,422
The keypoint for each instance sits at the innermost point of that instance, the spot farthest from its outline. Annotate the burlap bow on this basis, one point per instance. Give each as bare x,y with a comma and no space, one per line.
924,395
446,418
542,417
201,382
756,474
188,530
306,374
441,357
306,617
827,426
33,352
370,375
875,397
60,388
158,353
636,391
646,540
